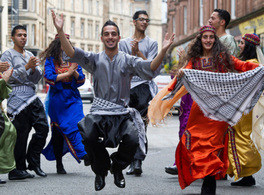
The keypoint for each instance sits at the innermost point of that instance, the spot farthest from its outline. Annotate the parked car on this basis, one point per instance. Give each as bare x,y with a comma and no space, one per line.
163,80
86,91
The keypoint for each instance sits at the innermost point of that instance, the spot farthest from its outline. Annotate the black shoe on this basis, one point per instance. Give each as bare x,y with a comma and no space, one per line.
171,170
137,167
86,160
99,182
2,181
131,169
245,181
119,179
61,170
209,186
18,175
38,171
28,174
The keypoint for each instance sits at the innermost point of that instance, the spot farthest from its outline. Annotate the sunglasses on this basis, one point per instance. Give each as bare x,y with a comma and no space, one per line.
143,19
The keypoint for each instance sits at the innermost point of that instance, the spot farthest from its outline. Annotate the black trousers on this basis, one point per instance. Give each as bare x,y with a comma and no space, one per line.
32,116
101,131
140,97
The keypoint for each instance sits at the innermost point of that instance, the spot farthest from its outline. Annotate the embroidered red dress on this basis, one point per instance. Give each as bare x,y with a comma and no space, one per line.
202,149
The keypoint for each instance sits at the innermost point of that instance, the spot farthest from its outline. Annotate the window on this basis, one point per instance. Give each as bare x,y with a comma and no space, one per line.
25,4
73,28
97,50
185,20
121,6
82,30
90,47
82,46
97,31
201,13
233,9
33,5
97,8
26,26
90,29
114,5
131,9
33,35
82,5
72,5
121,26
131,30
90,6
215,4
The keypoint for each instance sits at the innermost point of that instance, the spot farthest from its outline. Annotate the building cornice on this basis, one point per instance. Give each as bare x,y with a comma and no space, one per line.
253,14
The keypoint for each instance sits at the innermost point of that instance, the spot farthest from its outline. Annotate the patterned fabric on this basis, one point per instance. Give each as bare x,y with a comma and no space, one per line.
104,107
20,98
207,28
252,38
223,96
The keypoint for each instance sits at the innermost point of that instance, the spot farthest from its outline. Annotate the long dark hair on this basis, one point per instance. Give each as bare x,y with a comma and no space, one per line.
53,50
220,53
249,52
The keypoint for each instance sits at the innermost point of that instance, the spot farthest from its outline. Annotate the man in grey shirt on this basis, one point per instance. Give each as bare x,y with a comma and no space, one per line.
110,122
24,107
142,91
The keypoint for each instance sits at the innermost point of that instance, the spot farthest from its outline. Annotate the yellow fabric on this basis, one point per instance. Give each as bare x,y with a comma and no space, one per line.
244,157
249,159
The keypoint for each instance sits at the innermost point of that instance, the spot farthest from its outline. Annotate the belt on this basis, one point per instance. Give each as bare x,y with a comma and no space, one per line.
66,86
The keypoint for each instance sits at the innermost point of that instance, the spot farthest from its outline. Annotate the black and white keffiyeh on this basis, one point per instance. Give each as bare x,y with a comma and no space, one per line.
223,96
104,107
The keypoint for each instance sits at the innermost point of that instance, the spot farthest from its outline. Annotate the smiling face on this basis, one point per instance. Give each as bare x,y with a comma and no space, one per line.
208,40
110,37
20,38
141,23
242,45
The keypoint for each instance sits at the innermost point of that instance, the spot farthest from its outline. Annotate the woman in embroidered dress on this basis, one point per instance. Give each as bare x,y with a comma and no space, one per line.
244,158
64,106
202,150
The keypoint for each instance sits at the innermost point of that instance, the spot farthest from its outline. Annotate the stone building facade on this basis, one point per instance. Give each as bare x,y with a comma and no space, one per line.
83,21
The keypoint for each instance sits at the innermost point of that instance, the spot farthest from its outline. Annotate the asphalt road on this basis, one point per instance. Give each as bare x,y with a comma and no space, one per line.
80,179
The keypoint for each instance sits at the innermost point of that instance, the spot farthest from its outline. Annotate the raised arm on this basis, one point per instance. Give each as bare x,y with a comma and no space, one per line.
58,23
158,59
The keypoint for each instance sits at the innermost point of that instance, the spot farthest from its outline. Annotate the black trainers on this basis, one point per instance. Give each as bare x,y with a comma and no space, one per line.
245,181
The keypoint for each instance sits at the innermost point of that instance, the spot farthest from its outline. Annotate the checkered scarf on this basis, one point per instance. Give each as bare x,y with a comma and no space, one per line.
223,96
104,107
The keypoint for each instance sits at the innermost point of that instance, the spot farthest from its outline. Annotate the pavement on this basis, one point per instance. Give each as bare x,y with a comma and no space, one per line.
154,181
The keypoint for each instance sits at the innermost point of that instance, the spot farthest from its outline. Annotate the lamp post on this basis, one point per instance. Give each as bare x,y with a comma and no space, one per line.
1,9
